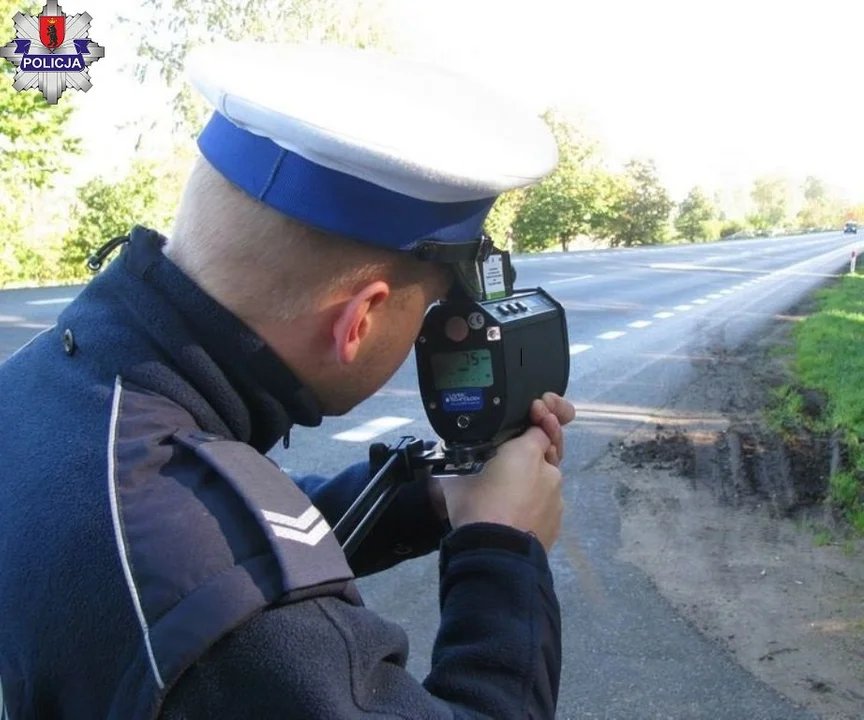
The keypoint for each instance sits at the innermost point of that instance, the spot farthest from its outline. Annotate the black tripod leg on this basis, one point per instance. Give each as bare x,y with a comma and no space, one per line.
367,509
366,524
354,518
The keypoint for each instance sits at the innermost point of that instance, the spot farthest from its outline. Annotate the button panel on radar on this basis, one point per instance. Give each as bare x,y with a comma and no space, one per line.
514,308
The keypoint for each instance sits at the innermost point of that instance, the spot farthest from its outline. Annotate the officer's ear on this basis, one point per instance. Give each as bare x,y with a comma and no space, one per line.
355,320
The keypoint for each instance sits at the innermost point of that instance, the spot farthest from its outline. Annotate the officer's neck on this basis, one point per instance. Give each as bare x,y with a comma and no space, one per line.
251,388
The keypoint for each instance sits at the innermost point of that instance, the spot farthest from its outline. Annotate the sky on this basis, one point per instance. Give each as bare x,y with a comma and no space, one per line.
716,93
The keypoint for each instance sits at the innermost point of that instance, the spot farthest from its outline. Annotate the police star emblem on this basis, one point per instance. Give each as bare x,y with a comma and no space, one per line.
52,52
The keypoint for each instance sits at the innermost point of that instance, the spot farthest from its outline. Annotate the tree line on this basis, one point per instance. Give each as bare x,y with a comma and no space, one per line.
48,237
583,200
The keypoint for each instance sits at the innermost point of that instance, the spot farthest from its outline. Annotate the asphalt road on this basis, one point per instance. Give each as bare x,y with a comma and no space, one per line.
639,320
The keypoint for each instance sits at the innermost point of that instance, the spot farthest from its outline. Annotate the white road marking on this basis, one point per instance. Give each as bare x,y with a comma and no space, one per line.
576,349
33,326
664,315
613,335
55,301
683,308
727,292
700,301
640,324
372,429
690,266
715,296
566,280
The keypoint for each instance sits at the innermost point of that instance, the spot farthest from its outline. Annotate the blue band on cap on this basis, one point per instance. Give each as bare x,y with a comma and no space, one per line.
331,200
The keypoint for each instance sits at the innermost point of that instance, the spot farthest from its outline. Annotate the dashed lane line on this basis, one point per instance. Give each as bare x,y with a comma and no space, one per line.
639,324
568,280
372,429
683,308
700,301
613,335
576,349
664,315
689,266
53,301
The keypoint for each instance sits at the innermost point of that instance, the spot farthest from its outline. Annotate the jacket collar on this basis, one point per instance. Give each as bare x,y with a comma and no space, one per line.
254,393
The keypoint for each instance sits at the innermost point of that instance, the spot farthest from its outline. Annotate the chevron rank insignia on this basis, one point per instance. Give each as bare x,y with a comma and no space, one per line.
52,52
305,529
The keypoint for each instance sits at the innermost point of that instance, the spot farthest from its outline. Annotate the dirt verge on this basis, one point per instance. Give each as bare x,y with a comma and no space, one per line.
732,528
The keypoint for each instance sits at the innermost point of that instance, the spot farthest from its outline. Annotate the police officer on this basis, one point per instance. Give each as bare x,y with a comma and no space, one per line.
155,563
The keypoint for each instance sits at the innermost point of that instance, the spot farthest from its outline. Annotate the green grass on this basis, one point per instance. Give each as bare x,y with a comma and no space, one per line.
822,538
781,351
785,413
830,352
856,517
829,357
844,489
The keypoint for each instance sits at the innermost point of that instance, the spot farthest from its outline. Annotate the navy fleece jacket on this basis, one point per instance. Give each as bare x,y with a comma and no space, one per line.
108,530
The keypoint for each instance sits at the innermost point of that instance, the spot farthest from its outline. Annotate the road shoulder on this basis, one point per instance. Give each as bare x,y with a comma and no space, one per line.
724,518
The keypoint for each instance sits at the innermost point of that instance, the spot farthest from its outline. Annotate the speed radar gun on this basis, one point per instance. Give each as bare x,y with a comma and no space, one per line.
483,356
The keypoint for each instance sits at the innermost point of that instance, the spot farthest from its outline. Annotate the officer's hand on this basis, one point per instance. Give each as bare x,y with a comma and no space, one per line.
550,414
517,488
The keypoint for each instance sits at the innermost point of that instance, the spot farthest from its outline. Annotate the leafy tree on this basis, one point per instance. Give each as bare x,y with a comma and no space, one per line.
499,222
852,212
731,227
719,209
640,212
815,191
820,208
609,190
559,210
171,28
107,210
570,201
694,213
771,197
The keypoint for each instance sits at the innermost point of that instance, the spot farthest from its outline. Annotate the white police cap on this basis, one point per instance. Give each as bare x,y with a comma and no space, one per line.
386,151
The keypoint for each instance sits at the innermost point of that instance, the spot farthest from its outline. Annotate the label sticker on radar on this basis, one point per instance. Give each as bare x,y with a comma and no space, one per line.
462,400
493,278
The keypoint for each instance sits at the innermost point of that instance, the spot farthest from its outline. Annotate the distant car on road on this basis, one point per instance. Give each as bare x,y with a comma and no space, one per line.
851,227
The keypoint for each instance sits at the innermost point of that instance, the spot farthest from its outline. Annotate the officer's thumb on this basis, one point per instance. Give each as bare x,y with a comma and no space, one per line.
537,440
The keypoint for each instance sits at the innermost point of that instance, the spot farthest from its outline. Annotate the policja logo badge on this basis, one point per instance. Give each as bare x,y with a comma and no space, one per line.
52,52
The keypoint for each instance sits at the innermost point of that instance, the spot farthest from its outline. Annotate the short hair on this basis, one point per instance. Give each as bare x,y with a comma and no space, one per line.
263,265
